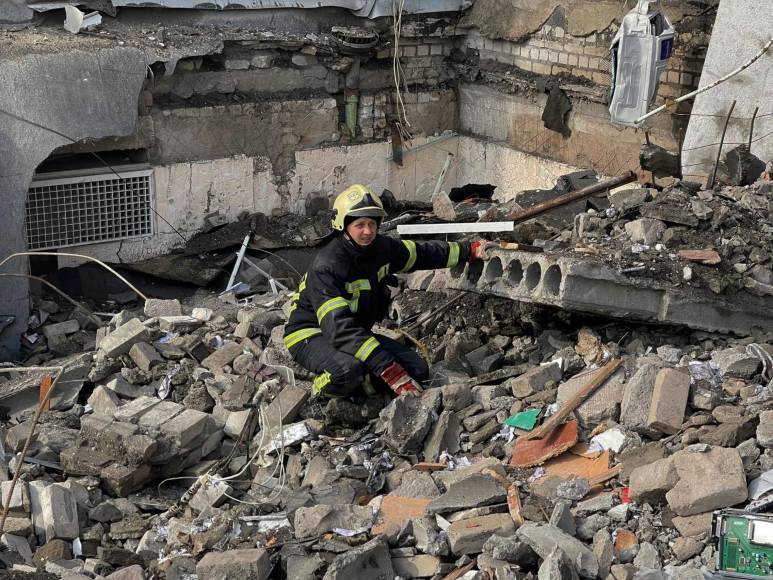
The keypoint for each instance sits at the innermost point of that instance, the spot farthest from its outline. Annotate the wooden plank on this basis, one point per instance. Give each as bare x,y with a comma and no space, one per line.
556,419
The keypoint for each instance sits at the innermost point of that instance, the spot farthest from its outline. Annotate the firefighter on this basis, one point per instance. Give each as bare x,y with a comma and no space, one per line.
345,292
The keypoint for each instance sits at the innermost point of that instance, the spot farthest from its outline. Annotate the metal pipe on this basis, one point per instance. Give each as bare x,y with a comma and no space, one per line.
719,151
536,210
100,262
72,301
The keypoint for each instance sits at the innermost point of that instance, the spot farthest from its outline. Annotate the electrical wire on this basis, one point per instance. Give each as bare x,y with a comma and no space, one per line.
95,155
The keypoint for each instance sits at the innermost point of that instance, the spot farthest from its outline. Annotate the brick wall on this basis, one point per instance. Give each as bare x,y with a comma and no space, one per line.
552,51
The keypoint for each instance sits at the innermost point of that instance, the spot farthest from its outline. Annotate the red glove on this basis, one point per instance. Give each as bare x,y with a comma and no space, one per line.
478,250
400,381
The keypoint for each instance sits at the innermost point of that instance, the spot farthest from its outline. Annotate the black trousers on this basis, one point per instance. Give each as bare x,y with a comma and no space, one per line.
340,374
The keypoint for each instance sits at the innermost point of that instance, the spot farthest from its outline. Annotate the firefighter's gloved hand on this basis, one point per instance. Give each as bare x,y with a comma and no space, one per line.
400,381
479,250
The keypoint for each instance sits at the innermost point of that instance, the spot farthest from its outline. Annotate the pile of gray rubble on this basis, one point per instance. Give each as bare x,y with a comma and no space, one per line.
181,442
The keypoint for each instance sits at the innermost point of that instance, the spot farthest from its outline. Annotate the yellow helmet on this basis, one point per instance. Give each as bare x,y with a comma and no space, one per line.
356,201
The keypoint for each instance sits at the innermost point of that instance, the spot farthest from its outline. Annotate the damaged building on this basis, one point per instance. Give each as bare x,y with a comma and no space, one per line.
600,397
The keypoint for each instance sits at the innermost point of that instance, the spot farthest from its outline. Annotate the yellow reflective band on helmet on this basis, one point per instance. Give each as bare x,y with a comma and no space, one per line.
453,254
411,247
295,337
354,288
382,272
321,381
329,306
366,349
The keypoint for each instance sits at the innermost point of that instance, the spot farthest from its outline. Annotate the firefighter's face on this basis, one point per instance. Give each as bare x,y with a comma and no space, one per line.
363,231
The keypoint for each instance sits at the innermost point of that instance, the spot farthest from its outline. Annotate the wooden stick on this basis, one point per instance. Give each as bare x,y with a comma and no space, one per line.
459,572
606,476
556,419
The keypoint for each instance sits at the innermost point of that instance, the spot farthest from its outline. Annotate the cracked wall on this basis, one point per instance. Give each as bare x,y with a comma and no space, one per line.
81,95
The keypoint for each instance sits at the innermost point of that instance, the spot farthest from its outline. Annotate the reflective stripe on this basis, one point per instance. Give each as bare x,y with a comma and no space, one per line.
354,289
295,337
411,247
366,349
330,305
453,254
382,272
321,381
297,295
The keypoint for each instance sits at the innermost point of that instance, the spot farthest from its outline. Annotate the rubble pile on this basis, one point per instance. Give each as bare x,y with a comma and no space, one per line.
718,239
182,442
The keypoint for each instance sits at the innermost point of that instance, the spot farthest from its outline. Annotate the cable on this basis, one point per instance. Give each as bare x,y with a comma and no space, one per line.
100,262
717,82
98,158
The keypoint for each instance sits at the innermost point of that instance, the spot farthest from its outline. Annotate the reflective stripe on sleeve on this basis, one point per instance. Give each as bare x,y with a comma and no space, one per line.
411,247
330,305
366,349
382,272
453,254
295,337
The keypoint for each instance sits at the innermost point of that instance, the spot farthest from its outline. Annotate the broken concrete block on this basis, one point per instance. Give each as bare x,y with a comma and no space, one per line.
707,481
370,561
246,563
562,517
535,380
222,357
456,396
17,436
52,551
444,436
145,356
648,557
557,566
765,430
156,307
60,329
645,231
697,526
419,566
159,414
637,397
186,426
285,406
475,491
407,421
133,410
123,388
58,513
604,402
133,572
318,519
543,539
19,504
123,338
104,401
686,548
451,477
604,551
179,324
650,483
736,363
669,401
19,545
121,480
468,536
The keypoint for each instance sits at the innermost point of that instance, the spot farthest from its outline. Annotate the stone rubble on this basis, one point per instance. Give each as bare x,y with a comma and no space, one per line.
202,396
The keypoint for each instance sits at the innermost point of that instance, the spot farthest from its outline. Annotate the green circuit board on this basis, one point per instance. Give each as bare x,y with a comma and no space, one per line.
744,544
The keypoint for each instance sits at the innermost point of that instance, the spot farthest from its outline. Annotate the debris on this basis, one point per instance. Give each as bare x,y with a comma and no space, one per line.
76,20
707,257
454,228
576,400
525,420
531,452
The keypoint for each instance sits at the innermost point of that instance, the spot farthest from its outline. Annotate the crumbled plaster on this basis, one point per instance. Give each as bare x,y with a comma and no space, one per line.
516,20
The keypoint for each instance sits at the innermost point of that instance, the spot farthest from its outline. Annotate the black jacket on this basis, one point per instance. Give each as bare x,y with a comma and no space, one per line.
344,293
